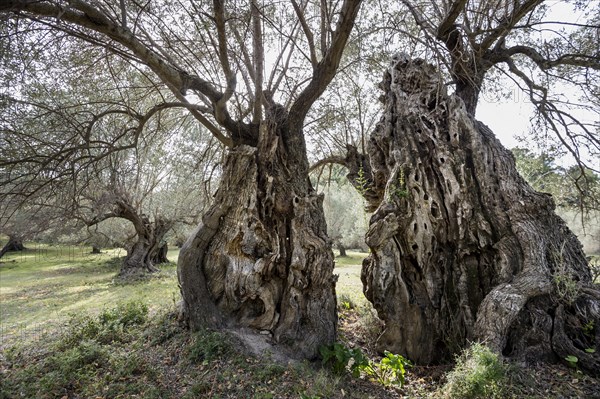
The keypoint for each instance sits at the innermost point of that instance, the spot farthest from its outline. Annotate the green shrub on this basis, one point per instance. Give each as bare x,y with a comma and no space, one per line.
389,371
164,327
69,369
479,373
125,314
112,325
87,353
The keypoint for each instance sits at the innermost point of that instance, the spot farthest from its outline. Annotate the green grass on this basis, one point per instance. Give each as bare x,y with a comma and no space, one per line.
68,328
479,373
41,287
349,286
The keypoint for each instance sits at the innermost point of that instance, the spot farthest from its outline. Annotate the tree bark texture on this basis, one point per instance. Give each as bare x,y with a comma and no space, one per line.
261,257
462,248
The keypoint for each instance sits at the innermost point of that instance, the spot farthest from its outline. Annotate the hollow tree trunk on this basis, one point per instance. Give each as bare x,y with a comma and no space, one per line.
261,257
13,244
462,248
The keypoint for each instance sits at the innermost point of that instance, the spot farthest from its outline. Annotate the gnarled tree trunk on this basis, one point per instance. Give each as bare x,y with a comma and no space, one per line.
462,248
13,244
146,251
160,255
261,257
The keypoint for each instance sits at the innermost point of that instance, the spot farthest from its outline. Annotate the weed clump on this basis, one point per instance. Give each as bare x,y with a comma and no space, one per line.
479,373
112,325
209,345
389,371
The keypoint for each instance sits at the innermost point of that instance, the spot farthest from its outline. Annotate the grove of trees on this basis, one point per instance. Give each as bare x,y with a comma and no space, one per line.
461,247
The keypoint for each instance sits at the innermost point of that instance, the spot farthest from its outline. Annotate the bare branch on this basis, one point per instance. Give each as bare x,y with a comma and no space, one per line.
259,55
327,67
307,32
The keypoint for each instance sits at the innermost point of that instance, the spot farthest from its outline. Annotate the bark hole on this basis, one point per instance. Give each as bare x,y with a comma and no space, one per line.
492,263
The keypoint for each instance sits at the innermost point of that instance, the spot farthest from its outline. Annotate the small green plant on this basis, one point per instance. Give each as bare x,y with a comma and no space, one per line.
566,288
338,357
479,373
565,284
398,189
572,360
390,371
346,303
361,182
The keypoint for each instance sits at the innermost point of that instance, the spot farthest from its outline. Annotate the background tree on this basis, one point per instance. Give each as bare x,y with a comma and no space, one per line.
344,212
72,153
578,206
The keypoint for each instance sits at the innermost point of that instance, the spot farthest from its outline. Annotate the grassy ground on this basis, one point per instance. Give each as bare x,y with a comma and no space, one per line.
41,287
68,329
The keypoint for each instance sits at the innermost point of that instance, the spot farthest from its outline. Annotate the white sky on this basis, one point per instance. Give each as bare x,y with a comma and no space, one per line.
507,118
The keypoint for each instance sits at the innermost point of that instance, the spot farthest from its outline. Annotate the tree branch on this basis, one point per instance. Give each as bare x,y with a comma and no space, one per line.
327,67
259,55
334,159
544,64
307,32
86,16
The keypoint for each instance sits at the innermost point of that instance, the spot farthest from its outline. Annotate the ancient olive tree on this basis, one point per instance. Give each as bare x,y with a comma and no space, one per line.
249,72
462,248
126,192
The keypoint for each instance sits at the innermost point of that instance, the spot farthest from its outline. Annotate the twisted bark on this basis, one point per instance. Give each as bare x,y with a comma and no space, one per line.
462,248
261,258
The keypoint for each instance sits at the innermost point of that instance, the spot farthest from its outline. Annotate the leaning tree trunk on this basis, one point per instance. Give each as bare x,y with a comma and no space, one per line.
13,244
261,257
462,248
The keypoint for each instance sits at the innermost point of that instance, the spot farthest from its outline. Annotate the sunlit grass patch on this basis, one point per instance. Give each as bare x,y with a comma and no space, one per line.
43,285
